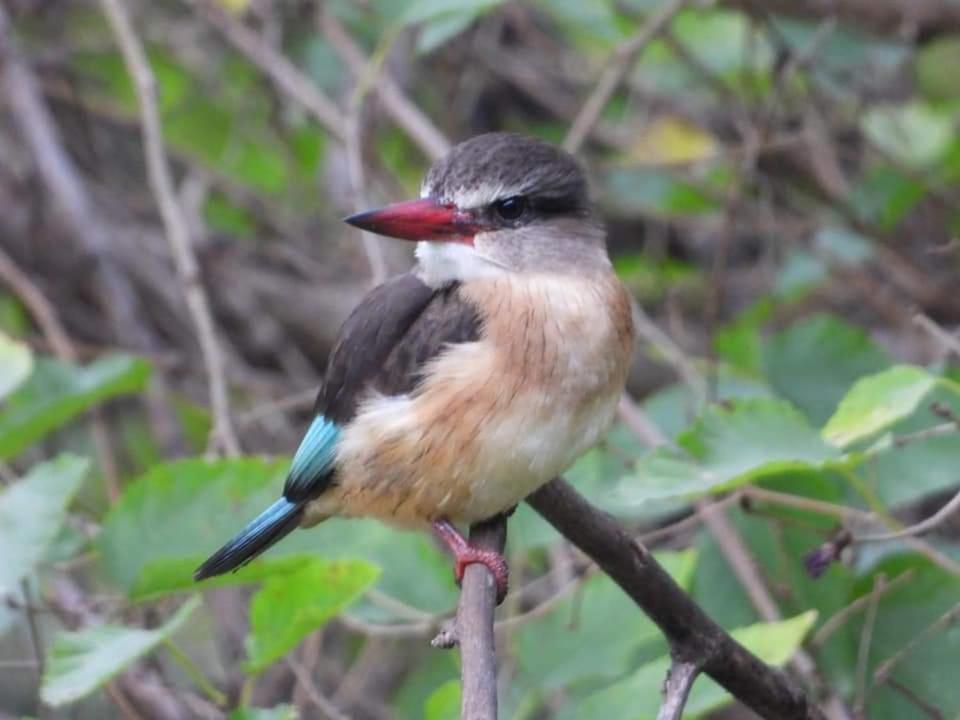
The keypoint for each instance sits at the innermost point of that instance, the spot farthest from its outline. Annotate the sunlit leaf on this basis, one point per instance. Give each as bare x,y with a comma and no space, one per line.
876,402
56,392
289,607
671,141
80,662
914,133
727,447
32,511
16,364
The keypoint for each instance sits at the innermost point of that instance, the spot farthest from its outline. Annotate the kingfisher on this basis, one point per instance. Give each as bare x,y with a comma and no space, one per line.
454,391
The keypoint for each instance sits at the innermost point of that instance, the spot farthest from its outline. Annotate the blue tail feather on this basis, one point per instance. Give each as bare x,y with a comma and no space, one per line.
313,460
310,472
263,531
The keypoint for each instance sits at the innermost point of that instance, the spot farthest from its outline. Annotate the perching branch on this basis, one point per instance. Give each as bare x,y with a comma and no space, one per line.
693,637
473,628
177,228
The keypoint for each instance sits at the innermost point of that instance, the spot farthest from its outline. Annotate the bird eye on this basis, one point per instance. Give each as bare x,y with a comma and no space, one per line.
510,208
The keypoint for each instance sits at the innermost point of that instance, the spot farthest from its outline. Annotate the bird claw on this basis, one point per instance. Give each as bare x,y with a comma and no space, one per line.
465,554
493,561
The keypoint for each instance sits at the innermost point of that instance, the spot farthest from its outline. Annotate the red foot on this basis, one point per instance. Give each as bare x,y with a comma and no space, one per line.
466,554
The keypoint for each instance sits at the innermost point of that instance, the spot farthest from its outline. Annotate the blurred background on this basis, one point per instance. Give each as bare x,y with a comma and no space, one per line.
779,181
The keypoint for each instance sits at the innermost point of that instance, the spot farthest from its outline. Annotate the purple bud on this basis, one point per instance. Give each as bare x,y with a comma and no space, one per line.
817,561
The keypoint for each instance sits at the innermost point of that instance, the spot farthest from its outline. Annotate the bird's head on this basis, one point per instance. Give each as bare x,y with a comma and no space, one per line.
497,203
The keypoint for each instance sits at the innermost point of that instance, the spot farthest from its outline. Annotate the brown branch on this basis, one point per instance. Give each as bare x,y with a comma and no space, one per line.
473,629
478,599
692,635
397,105
616,70
175,222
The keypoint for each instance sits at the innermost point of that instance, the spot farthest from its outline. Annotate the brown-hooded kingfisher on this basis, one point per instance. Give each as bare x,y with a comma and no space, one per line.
459,388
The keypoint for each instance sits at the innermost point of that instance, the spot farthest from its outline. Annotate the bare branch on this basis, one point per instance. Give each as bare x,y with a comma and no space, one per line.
766,690
175,222
676,689
474,627
616,69
398,106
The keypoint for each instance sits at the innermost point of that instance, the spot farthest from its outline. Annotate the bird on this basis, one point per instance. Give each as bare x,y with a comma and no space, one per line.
455,390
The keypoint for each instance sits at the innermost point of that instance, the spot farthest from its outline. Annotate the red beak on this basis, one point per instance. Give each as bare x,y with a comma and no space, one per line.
418,220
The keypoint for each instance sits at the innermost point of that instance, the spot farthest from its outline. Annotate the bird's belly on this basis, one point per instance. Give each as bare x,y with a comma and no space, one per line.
466,467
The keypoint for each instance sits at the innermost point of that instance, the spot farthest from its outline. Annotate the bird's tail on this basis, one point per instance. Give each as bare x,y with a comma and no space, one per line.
268,527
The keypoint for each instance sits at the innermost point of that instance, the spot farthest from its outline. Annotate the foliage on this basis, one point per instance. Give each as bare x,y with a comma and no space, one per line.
826,413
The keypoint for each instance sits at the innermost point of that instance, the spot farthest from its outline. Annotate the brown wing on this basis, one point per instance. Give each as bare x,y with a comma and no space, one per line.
387,340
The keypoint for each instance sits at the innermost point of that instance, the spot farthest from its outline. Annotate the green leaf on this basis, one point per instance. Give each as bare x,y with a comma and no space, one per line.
289,607
915,133
936,63
278,712
903,617
813,363
32,512
80,662
16,364
657,191
57,392
176,514
444,702
877,402
884,195
901,473
171,518
729,446
637,697
602,618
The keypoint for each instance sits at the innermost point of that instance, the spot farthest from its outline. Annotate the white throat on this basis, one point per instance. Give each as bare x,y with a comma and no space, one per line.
443,262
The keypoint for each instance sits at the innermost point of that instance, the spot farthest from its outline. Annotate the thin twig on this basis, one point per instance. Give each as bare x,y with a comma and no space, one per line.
616,69
866,641
847,514
676,689
935,520
884,669
843,615
403,111
175,222
322,703
949,341
283,73
36,638
38,306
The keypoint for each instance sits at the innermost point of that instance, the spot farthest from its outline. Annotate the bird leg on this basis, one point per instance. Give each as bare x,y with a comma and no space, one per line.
466,554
